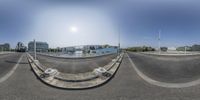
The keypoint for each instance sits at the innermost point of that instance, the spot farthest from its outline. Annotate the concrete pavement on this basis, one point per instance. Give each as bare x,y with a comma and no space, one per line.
126,85
171,69
7,62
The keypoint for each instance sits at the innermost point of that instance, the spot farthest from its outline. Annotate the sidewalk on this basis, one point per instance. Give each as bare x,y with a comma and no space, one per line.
6,52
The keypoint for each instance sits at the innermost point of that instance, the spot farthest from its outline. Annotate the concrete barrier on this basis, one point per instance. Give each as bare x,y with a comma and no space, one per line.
94,56
171,54
76,81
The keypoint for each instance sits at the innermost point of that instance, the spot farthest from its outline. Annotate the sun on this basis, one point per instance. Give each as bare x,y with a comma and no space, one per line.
73,29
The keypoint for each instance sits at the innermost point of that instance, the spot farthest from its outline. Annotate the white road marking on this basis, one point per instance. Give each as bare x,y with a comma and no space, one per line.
5,77
162,84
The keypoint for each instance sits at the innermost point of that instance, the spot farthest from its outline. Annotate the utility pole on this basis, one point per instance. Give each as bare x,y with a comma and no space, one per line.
185,49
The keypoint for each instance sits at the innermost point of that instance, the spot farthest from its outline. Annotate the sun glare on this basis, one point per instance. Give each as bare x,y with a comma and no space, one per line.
73,29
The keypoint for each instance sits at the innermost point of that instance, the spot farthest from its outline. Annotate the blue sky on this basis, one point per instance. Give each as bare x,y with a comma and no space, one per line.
98,22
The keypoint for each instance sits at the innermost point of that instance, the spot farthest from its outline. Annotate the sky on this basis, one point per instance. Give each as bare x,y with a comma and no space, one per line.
63,23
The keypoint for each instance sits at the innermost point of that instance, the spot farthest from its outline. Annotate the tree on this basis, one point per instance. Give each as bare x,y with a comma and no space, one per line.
163,48
140,49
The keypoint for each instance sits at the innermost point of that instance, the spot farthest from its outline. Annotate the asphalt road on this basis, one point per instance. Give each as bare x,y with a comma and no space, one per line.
75,65
171,69
126,85
7,62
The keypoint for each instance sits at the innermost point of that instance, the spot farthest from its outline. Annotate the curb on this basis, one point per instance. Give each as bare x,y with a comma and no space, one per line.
79,83
4,53
155,54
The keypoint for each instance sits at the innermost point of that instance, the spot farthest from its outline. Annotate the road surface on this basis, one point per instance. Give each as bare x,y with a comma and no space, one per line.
126,85
171,69
7,62
75,65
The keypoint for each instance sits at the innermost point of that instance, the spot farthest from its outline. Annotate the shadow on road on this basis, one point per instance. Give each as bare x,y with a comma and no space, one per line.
8,61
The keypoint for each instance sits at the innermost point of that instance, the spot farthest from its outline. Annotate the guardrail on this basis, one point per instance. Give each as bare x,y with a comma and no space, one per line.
6,52
172,54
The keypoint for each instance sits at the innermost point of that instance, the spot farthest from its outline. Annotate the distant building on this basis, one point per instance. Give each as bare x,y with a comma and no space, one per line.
4,47
90,49
195,47
183,48
171,49
68,49
40,46
163,49
20,47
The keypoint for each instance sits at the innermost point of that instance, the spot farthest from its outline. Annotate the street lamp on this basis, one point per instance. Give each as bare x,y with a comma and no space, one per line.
185,49
159,41
119,40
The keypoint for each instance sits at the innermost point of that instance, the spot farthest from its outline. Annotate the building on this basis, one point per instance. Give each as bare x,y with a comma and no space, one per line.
163,49
68,50
40,46
195,47
20,47
171,49
183,48
90,49
4,47
105,50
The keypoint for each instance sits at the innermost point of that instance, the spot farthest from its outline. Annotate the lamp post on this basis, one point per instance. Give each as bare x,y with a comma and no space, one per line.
119,40
185,49
159,42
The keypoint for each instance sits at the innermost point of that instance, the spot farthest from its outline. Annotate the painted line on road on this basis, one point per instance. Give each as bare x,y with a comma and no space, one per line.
5,77
162,84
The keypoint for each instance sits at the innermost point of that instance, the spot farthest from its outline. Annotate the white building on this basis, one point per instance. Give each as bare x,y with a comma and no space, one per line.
68,49
40,46
90,49
172,49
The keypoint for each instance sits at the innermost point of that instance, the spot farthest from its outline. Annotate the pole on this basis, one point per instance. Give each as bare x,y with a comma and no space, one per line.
185,49
119,41
159,41
35,49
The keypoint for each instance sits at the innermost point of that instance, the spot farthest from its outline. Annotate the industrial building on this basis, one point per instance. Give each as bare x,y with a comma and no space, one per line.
40,46
5,47
20,47
90,49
